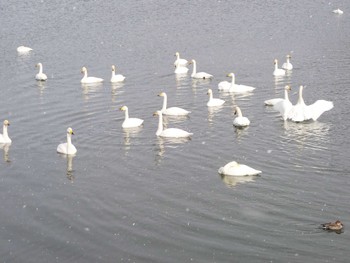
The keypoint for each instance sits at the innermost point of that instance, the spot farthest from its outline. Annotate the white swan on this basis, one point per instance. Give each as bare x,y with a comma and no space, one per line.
130,122
240,121
40,76
89,80
174,111
287,65
278,71
67,147
180,62
213,102
170,132
181,70
4,137
199,75
23,49
235,169
232,87
283,105
338,11
116,78
301,112
272,102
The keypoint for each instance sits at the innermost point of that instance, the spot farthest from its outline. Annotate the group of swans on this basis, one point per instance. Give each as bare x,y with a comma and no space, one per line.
285,67
181,68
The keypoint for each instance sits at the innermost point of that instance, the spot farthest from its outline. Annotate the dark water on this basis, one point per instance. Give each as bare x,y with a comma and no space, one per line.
128,196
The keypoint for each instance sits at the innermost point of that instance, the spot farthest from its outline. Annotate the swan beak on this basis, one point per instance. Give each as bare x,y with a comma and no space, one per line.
155,114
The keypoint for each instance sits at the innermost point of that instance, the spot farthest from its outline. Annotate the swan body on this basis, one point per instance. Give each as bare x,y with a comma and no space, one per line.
67,147
23,49
170,132
338,11
89,80
130,122
235,169
181,70
301,112
232,87
40,76
4,137
287,65
199,75
240,121
174,111
272,102
213,102
180,62
278,71
284,105
116,77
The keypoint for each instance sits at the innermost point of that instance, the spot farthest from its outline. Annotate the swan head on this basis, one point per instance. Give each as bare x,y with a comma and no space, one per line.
192,61
275,61
70,131
157,113
124,108
209,91
177,54
162,94
230,74
289,56
38,65
83,70
6,123
288,88
113,68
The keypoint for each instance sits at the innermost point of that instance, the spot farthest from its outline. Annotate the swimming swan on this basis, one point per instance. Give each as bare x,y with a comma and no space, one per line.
272,102
199,75
213,102
278,71
130,122
181,70
4,137
240,121
40,76
67,147
284,105
232,87
235,169
180,62
23,49
174,111
170,132
287,65
116,78
338,11
301,112
89,80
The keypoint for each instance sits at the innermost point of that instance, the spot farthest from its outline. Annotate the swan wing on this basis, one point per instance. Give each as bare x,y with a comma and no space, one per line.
175,133
175,111
316,109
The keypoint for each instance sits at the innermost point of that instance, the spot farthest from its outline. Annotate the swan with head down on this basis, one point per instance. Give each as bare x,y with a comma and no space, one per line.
169,132
236,169
240,120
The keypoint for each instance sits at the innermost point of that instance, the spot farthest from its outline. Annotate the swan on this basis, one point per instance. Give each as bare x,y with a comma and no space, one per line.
213,102
287,65
278,71
240,121
89,80
284,105
199,75
130,122
4,137
40,76
232,87
116,78
181,70
180,62
272,102
301,112
67,147
170,132
23,49
236,169
338,11
174,111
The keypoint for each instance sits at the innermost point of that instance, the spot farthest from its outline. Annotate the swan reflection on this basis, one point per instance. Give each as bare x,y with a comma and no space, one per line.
69,170
164,142
212,111
182,80
89,88
130,133
232,181
6,147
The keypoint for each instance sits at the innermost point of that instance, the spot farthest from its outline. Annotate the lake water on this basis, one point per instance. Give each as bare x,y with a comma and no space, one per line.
128,196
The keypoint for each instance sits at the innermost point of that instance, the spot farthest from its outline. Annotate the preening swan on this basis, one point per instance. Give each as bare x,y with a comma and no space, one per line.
283,105
272,102
232,87
116,77
278,71
130,122
170,132
235,169
301,112
67,147
23,49
40,76
199,75
180,62
89,80
174,111
4,137
338,11
287,65
240,121
213,102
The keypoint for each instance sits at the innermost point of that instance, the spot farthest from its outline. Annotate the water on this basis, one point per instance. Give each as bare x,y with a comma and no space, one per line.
128,196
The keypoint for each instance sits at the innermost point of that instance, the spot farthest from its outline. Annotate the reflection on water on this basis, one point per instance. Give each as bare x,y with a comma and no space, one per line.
116,90
163,142
212,111
232,181
90,88
173,119
69,170
130,133
41,87
182,80
6,147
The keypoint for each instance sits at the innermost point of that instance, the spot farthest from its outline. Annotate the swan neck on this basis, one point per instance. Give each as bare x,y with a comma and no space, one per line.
40,69
4,131
239,112
126,114
165,101
69,141
160,124
194,71
300,99
286,97
210,96
233,80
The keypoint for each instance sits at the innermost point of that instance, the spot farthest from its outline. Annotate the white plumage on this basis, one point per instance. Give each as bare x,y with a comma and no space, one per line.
213,102
278,71
174,111
130,122
40,76
116,77
235,169
199,75
4,137
89,80
232,87
67,147
240,121
169,132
